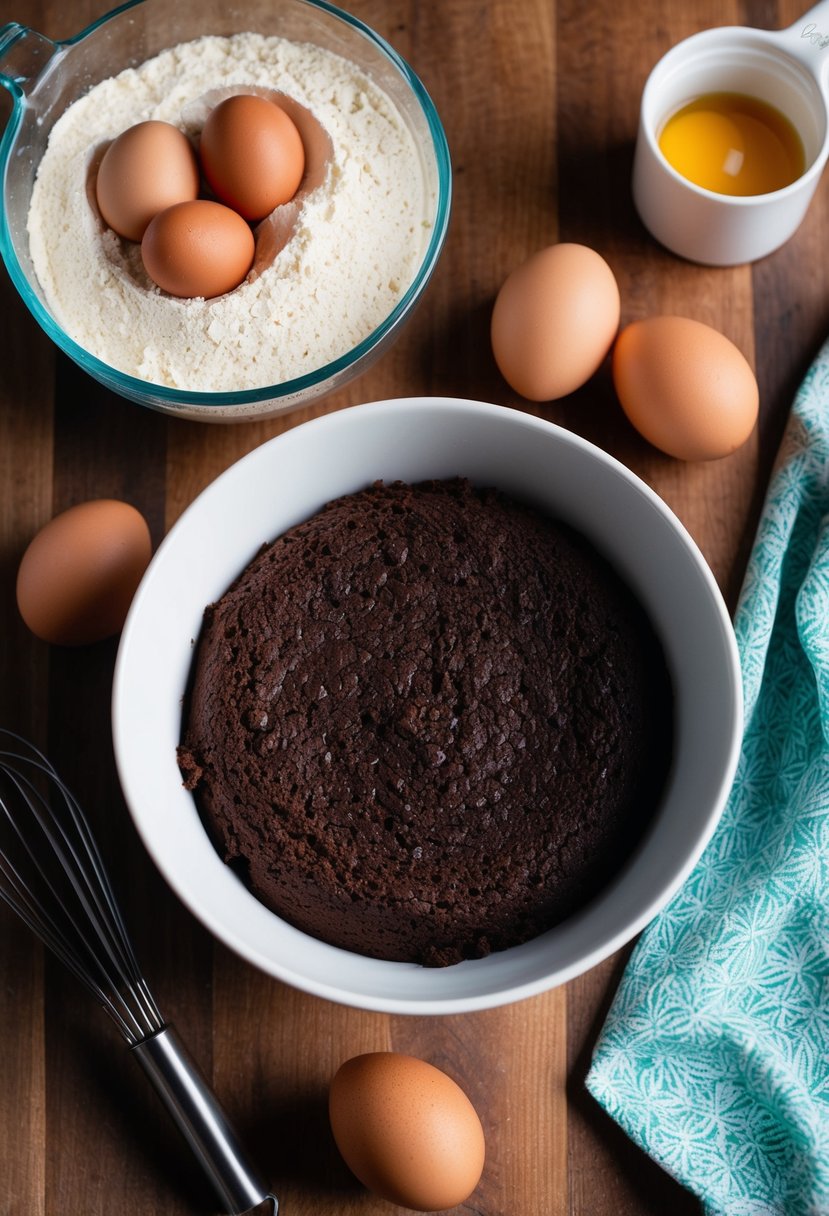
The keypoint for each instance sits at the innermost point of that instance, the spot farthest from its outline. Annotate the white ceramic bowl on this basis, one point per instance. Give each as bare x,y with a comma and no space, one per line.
290,478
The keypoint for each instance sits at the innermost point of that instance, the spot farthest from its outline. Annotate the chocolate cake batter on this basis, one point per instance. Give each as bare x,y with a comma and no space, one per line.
426,723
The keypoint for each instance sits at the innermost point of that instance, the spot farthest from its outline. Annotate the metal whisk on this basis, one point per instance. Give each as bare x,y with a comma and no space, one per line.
52,875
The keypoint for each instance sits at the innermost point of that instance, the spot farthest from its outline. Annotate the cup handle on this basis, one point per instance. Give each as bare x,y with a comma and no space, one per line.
807,40
23,55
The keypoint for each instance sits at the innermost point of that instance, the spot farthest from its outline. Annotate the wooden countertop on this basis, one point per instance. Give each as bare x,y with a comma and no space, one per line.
540,102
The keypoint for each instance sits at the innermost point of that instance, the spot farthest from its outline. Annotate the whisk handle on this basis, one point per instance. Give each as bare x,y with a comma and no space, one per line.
204,1124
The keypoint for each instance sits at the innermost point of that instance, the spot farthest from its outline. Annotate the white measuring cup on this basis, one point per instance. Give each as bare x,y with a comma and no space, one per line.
788,69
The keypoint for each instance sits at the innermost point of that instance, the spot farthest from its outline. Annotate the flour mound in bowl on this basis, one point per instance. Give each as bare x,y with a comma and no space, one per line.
355,240
427,723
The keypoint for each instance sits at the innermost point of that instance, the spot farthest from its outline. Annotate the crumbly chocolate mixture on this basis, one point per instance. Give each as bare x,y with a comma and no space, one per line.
426,723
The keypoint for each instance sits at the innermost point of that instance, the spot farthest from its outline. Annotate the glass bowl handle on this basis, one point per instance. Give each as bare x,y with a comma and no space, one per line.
23,55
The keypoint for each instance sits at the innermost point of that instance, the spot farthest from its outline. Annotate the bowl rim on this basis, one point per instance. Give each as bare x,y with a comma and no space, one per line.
579,926
163,396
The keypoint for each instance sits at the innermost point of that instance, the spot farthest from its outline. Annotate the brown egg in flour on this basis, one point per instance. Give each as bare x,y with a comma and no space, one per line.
197,248
148,167
252,154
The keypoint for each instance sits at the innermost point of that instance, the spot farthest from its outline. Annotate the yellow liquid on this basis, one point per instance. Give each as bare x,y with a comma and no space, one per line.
733,144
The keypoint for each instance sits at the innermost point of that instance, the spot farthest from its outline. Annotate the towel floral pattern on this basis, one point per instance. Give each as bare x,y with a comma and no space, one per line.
715,1054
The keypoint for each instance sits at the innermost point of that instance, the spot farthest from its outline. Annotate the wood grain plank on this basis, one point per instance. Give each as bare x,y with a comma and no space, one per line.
512,1062
598,116
25,503
96,1095
651,280
278,1074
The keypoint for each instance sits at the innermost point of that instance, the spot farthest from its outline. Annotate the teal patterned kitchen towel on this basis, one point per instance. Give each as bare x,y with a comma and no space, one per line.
715,1054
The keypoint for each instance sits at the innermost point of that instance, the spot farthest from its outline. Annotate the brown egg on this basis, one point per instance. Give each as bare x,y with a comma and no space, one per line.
198,248
148,167
554,321
79,573
406,1130
685,387
252,155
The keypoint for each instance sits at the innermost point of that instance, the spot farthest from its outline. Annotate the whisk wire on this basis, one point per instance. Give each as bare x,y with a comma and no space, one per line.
105,916
16,894
111,973
53,931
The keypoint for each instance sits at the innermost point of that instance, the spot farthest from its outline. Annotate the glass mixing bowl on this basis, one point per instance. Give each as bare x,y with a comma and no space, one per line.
45,78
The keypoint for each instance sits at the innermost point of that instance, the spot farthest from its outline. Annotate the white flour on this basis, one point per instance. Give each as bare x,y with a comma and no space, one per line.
358,240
